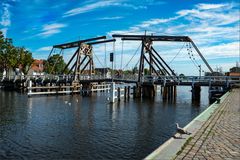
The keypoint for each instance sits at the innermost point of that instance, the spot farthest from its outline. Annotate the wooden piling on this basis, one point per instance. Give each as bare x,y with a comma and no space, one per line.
165,92
125,92
196,92
119,94
128,92
174,93
134,91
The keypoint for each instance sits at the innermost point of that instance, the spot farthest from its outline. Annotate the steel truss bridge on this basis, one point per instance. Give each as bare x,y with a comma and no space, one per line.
81,66
82,63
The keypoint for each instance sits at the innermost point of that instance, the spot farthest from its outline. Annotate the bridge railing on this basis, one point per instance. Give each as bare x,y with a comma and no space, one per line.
159,79
165,79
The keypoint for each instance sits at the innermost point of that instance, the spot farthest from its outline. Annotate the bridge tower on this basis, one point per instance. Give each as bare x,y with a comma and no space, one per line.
157,66
81,64
84,62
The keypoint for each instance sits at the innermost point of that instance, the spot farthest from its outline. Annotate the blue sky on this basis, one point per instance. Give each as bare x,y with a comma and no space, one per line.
213,26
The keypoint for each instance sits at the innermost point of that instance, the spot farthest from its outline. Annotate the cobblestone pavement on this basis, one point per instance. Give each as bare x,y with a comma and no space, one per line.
219,137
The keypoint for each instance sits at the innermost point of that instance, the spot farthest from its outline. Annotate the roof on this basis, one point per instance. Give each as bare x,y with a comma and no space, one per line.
37,65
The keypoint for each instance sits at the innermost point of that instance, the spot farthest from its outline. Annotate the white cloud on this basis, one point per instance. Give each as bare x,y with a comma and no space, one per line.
222,50
156,21
213,27
132,6
89,7
204,6
110,18
53,26
101,4
207,26
51,29
47,48
5,20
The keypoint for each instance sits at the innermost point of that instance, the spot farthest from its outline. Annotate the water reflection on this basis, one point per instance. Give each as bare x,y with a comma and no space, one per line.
30,105
75,127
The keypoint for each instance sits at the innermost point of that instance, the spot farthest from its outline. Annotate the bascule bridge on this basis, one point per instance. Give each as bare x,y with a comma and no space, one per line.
79,72
157,65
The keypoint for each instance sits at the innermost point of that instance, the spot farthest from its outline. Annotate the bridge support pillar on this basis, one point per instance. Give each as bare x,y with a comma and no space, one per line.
196,92
169,93
148,90
174,92
86,89
165,92
137,91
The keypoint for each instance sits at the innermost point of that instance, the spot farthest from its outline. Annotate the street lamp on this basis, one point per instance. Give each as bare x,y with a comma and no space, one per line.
111,60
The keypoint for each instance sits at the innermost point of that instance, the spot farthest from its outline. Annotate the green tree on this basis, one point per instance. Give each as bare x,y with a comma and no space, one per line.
181,75
54,65
25,59
135,70
146,71
235,69
12,57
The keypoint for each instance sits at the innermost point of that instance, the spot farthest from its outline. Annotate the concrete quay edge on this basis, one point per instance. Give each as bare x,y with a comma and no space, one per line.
171,147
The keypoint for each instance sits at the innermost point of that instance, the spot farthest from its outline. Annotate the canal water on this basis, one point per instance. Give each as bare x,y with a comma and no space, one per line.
75,127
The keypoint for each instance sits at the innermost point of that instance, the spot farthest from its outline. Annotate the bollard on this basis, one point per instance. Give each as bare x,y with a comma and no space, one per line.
218,100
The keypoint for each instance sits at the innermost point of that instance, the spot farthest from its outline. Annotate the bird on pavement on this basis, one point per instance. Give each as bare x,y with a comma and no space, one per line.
181,131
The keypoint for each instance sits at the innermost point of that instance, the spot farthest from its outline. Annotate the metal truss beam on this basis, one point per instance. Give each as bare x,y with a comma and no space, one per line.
153,38
77,43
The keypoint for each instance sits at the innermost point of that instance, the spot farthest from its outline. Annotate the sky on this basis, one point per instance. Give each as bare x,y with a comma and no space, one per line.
213,25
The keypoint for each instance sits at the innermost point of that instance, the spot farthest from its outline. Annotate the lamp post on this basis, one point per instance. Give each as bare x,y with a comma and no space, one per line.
111,60
112,90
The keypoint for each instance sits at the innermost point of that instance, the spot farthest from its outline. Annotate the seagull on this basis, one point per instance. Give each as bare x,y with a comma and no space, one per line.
69,104
181,131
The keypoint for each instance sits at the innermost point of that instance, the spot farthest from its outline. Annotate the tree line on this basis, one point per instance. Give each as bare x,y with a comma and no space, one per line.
12,57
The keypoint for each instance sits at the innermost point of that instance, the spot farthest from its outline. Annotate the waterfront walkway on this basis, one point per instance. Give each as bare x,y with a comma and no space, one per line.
219,137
